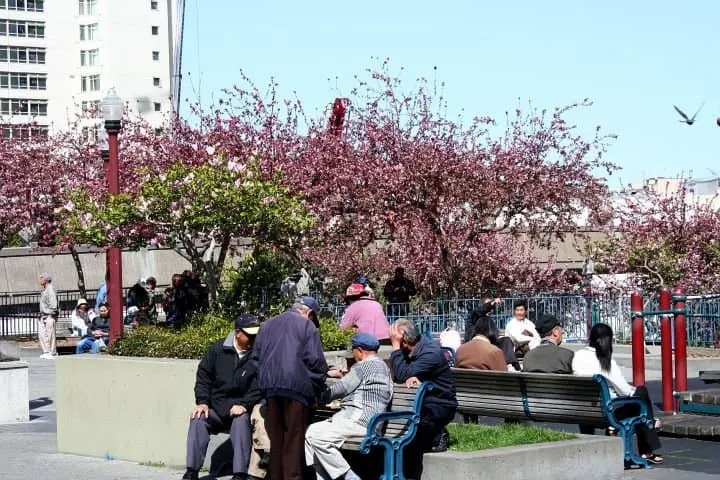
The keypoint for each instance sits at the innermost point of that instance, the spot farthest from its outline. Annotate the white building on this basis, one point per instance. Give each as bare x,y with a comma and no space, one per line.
58,57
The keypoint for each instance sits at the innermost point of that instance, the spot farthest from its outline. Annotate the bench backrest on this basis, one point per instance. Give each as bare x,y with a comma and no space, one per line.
536,396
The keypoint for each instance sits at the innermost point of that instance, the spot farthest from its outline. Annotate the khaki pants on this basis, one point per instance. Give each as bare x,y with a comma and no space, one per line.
323,442
46,334
261,441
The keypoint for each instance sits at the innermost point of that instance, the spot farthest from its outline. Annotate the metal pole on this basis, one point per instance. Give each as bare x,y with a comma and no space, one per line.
638,338
680,340
666,350
114,255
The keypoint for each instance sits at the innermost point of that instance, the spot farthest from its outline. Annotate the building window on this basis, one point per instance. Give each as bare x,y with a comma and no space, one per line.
158,106
24,131
89,58
155,30
90,83
91,134
23,5
21,28
90,106
23,81
156,81
156,56
153,5
87,7
20,106
22,55
89,32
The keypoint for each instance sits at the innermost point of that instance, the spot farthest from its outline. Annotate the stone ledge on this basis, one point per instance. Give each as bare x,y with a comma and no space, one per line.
689,425
14,392
598,458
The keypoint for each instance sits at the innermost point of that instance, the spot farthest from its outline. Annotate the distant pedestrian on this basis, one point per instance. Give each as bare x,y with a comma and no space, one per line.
365,315
102,292
398,291
49,313
292,374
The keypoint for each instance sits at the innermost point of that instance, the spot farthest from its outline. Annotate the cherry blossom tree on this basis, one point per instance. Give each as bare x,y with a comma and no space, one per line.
668,240
447,199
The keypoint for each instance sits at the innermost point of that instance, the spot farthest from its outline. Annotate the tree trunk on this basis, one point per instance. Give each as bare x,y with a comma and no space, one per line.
224,246
79,270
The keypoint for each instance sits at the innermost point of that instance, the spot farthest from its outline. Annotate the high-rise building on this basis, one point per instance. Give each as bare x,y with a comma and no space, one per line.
60,57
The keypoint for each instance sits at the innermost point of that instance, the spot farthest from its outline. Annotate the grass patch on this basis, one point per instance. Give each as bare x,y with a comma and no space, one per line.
469,437
153,464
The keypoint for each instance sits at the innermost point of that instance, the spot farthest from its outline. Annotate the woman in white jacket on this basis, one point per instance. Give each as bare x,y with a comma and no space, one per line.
595,359
81,318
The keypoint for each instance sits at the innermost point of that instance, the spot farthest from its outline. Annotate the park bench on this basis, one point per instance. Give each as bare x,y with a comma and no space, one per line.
391,430
551,398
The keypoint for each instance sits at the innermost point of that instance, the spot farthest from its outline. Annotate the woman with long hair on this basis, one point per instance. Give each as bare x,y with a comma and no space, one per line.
596,359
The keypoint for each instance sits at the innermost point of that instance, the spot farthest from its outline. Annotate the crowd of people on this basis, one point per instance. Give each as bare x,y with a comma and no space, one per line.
262,382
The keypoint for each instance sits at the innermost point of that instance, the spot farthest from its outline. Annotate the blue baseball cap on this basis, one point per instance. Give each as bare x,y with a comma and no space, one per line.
366,341
311,303
247,323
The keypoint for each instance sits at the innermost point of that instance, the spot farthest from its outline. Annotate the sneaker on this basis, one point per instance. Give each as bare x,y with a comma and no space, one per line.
240,476
190,474
264,461
47,356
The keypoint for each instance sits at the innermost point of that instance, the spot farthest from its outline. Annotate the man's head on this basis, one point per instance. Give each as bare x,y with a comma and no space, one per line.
309,308
177,280
364,345
399,272
354,292
551,328
82,305
151,283
520,310
104,310
246,328
410,334
45,278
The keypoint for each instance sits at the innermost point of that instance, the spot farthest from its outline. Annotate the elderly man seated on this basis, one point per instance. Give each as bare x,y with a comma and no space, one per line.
365,390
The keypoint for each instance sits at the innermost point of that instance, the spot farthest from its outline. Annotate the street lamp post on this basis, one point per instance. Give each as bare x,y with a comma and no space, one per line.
588,272
112,108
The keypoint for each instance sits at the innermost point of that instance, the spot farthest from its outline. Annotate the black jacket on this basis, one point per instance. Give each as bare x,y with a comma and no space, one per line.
224,380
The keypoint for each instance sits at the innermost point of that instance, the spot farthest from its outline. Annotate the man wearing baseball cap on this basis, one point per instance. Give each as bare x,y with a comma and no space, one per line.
549,357
226,391
292,374
365,390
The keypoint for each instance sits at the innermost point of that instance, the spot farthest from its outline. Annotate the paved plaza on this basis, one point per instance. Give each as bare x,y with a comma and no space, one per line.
29,451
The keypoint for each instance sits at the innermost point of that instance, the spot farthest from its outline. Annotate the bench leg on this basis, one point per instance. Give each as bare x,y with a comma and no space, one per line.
392,462
630,456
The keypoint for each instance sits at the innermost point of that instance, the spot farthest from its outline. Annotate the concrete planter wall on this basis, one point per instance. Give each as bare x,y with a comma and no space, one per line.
589,458
14,392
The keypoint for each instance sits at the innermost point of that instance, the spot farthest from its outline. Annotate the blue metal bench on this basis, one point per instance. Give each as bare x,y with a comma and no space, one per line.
550,398
392,430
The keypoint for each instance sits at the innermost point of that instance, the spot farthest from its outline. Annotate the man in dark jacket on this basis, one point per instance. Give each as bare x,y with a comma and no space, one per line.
416,359
484,310
226,391
292,375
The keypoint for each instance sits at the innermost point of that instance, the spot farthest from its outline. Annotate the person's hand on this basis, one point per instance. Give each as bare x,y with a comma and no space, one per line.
335,373
412,382
237,410
199,411
98,333
395,337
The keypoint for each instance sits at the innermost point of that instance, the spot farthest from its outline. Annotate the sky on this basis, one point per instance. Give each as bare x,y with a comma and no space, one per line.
633,59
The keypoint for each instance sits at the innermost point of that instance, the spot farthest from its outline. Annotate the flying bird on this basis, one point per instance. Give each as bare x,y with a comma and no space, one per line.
689,120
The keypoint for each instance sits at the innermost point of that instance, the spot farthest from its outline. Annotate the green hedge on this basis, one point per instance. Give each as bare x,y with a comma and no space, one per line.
195,339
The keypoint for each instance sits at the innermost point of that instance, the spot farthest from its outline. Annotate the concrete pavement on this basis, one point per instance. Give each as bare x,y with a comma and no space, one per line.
29,451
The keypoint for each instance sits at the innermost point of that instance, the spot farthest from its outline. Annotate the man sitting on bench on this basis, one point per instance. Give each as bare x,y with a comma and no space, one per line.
549,357
416,359
365,390
226,392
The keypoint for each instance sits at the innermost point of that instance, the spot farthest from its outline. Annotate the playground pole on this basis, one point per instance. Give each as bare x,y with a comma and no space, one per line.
666,350
680,340
638,338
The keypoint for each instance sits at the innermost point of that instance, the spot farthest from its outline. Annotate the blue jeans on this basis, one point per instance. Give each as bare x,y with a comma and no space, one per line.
89,344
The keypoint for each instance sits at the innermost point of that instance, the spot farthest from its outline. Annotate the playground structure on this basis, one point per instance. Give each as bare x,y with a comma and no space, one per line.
674,312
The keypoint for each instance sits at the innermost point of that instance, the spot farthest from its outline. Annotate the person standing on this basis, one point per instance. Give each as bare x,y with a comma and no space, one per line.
226,393
364,314
102,292
365,391
48,316
398,291
292,375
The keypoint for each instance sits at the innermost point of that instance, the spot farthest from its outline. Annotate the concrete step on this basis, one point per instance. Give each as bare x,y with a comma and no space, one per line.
689,425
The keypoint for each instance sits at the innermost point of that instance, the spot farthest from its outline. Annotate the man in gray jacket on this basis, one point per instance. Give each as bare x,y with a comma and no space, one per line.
48,316
365,390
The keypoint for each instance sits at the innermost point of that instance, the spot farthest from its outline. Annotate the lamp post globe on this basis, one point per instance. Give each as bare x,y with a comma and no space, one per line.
112,110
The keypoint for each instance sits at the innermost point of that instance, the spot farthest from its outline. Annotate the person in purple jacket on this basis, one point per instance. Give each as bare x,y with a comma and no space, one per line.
292,375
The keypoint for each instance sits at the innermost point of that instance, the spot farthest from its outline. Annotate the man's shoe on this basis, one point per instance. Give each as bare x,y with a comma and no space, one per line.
190,474
264,461
240,476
